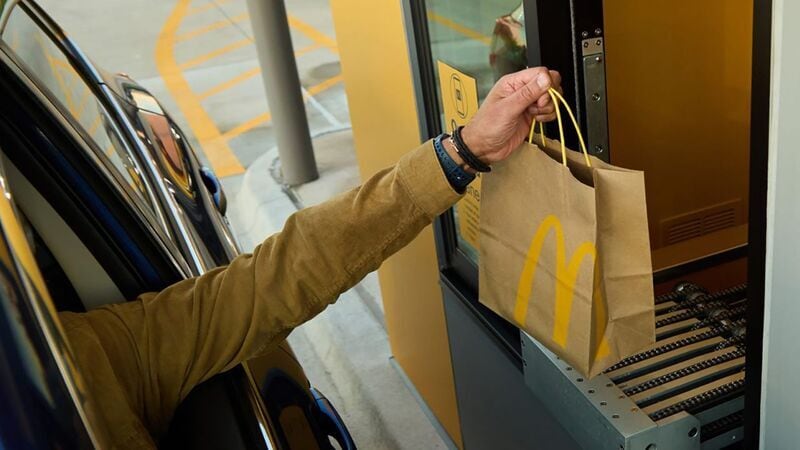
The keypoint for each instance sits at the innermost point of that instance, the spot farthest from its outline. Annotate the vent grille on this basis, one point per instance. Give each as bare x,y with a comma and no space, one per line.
700,222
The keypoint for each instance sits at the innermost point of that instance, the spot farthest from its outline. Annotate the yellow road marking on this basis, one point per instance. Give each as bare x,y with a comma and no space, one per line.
84,100
52,61
95,124
468,32
246,75
261,119
247,125
313,34
317,88
211,27
214,143
230,83
216,149
60,62
204,7
308,48
215,53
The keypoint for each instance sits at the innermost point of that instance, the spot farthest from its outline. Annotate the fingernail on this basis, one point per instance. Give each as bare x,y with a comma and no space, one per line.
543,81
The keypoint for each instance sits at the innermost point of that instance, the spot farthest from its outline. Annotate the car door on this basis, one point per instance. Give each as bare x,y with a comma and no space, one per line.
141,147
79,158
86,205
40,388
189,194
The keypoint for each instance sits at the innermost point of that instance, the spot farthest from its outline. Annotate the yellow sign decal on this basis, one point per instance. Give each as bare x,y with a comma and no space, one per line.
566,276
459,104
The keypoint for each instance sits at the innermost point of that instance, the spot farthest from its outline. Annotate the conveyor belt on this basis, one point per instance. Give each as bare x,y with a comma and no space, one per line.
697,362
722,425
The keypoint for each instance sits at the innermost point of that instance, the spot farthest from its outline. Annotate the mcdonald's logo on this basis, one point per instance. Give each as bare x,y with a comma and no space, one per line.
566,274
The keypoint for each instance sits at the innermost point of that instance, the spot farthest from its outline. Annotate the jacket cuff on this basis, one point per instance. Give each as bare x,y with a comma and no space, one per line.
423,177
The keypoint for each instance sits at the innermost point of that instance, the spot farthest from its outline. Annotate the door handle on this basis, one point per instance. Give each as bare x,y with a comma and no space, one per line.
331,422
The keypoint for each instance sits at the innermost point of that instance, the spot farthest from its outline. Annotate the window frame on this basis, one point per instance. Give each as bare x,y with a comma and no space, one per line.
44,340
70,202
147,202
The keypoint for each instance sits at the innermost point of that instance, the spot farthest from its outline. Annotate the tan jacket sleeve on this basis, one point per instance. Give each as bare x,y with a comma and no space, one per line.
163,344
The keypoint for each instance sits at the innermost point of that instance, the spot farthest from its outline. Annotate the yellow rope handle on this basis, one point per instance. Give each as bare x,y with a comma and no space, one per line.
575,123
555,95
541,132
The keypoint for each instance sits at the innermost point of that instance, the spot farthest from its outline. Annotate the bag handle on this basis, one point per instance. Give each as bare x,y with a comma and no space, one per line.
556,96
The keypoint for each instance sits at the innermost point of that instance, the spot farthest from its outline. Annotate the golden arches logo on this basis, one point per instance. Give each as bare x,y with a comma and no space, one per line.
566,275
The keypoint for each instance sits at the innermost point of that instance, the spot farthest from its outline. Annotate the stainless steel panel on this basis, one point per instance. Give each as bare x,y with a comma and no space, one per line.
596,412
594,76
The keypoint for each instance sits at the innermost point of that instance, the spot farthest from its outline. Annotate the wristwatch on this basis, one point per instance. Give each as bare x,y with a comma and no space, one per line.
458,177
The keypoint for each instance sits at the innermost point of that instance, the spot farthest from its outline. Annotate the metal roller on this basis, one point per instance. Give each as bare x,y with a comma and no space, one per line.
684,392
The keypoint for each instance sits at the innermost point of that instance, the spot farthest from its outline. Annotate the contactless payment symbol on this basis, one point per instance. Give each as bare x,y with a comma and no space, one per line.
459,99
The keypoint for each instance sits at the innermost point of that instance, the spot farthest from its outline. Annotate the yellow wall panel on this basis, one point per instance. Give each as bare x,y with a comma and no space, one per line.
380,95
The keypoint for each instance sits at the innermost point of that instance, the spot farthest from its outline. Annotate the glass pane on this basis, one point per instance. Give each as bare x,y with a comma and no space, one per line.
50,66
479,40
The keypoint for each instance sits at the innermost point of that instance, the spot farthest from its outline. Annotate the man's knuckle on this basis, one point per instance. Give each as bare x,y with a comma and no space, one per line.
528,93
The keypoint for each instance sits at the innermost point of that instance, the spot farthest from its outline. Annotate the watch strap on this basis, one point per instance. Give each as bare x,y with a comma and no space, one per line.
457,176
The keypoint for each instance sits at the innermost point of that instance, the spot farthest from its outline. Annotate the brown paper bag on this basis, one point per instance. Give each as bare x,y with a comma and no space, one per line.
565,254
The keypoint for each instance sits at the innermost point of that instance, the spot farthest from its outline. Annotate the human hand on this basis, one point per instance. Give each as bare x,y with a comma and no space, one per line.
504,119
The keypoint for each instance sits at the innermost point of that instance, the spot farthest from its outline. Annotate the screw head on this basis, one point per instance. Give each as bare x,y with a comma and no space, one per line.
597,31
596,97
598,59
598,42
585,45
598,149
585,34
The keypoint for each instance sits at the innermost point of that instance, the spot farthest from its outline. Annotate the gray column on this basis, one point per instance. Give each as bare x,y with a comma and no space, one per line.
780,396
284,94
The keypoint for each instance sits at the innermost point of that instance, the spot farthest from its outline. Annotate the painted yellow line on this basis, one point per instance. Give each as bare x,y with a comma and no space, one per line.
211,27
95,124
216,149
246,126
229,84
308,48
468,32
317,88
313,34
84,100
54,68
246,75
204,7
215,53
265,117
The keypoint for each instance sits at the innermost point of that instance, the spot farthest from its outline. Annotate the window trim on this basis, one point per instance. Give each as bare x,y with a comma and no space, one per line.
148,204
59,128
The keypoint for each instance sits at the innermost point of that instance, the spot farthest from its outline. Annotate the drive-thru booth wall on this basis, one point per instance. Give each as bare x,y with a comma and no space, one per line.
661,87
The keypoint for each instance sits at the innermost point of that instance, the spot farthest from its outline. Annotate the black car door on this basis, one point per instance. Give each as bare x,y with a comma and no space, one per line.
53,154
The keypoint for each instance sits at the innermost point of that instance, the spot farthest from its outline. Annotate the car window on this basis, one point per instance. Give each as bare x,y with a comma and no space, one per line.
50,66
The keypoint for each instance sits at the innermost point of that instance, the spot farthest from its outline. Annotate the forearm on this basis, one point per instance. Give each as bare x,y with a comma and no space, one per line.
202,326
